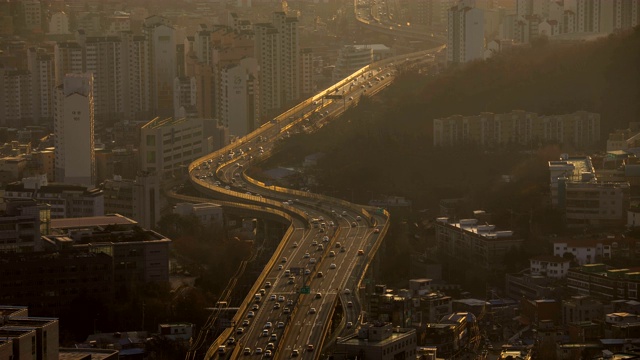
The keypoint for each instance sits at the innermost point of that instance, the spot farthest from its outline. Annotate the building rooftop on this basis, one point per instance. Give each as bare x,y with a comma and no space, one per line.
93,221
398,333
86,354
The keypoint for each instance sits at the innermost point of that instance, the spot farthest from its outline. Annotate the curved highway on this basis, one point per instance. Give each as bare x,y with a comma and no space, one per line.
325,252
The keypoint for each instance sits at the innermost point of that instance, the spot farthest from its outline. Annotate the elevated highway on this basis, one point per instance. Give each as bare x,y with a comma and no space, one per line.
326,249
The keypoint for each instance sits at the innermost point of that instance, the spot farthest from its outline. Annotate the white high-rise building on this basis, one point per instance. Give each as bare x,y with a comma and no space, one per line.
588,16
465,37
135,75
239,100
73,130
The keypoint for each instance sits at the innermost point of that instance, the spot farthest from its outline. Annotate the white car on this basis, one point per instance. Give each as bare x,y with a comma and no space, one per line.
347,291
312,261
332,266
268,325
312,311
251,314
272,297
281,298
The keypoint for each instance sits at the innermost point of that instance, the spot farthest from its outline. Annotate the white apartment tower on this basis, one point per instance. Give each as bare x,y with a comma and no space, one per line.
266,52
73,130
239,97
465,37
135,76
588,15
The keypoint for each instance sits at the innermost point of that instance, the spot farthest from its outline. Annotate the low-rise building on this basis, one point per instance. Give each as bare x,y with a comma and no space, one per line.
65,200
604,282
581,308
478,245
550,266
378,341
22,226
139,255
207,213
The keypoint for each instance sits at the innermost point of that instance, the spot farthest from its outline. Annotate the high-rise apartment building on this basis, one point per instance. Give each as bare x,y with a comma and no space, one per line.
135,76
266,51
15,97
73,130
277,49
465,35
306,72
588,15
580,129
41,67
289,55
239,97
163,63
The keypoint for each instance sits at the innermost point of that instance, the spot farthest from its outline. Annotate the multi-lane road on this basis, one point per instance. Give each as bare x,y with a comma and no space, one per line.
326,251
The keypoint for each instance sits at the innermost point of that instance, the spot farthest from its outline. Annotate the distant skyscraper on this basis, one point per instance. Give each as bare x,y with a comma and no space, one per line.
266,50
163,60
277,49
41,67
465,36
73,130
288,56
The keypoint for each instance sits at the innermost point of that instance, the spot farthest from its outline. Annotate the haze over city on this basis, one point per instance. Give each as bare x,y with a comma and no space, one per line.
319,179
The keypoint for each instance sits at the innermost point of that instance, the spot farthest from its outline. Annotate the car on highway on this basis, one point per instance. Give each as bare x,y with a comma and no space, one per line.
332,266
265,332
349,304
307,271
280,325
251,314
318,295
267,284
295,353
332,253
284,259
281,298
280,267
312,261
314,243
295,244
360,252
358,218
350,98
246,322
258,351
246,351
310,347
312,311
267,354
286,310
376,231
267,325
347,291
319,274
349,325
240,331
270,346
255,307
231,341
306,255
325,238
353,224
343,249
276,306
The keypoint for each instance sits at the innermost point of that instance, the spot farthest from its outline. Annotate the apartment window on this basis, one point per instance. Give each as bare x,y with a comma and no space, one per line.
151,140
